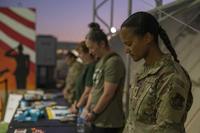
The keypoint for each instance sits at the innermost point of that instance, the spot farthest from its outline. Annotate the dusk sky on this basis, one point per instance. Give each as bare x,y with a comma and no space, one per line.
67,20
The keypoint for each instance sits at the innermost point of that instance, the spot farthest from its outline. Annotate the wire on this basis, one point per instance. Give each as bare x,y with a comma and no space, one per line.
172,17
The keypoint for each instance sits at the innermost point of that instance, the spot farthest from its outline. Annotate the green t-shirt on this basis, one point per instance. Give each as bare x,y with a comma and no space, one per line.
85,79
110,68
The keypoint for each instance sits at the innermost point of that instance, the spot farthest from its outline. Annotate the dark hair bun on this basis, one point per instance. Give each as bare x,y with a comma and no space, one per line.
94,26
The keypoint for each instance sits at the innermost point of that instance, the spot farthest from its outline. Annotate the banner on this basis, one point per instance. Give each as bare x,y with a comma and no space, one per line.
17,48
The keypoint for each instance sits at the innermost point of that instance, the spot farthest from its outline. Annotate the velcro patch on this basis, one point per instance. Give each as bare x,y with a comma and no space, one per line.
177,101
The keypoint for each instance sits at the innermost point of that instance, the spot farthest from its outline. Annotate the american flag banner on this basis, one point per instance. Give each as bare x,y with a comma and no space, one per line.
17,47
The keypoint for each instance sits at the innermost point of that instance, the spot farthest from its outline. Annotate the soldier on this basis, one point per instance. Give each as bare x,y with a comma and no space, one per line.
105,102
161,96
22,65
84,82
74,71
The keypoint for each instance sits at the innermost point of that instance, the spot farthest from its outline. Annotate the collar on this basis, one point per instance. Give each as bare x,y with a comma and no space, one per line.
107,56
155,67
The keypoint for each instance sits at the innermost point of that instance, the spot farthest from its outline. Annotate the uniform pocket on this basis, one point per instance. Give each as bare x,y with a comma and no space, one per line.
146,105
146,108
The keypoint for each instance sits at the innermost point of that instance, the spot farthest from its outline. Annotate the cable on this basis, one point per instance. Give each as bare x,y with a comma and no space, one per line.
181,22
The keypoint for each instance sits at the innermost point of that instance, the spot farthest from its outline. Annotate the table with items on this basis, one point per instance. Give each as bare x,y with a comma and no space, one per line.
40,112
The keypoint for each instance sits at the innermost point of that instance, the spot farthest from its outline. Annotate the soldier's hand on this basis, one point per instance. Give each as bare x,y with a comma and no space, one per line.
65,93
73,108
89,117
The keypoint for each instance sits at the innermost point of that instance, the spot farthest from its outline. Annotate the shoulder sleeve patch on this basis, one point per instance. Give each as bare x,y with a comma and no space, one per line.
177,101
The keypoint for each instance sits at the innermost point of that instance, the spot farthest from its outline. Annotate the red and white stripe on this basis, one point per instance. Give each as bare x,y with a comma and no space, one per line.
17,25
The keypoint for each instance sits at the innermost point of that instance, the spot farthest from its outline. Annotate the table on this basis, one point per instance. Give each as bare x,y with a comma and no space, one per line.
48,126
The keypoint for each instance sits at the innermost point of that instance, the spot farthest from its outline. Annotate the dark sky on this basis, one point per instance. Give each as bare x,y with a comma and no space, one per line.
68,19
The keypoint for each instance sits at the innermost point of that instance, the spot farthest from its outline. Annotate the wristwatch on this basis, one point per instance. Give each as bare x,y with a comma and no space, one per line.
77,108
94,113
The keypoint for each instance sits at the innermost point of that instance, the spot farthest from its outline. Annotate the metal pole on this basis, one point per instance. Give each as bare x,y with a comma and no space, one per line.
128,68
158,2
111,14
96,15
129,7
128,57
94,10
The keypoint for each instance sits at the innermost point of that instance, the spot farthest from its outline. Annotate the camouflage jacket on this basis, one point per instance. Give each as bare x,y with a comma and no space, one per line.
159,99
74,71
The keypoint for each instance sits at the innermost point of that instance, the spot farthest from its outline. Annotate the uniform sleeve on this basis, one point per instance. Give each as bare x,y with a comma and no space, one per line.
114,70
89,75
73,76
173,92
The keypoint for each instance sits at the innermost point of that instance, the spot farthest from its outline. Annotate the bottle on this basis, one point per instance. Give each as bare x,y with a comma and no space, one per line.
80,125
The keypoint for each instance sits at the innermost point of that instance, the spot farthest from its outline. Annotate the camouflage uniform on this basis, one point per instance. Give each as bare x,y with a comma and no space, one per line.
74,71
160,99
